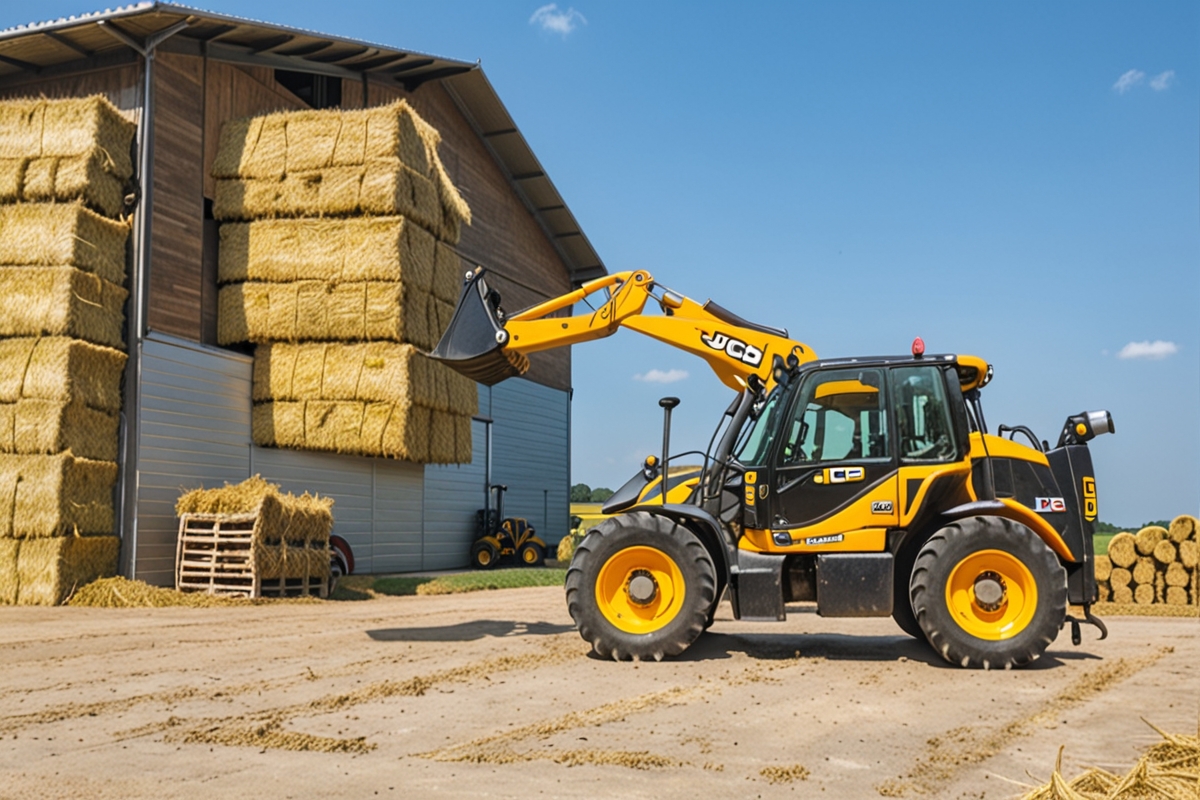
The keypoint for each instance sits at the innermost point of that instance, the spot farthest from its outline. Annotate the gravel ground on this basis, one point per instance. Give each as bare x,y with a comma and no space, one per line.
493,694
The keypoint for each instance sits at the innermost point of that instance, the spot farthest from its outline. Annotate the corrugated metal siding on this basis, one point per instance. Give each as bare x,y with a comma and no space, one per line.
530,440
195,429
452,496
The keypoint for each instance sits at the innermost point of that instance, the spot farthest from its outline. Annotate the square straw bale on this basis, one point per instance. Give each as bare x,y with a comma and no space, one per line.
12,178
62,301
51,570
301,519
371,429
389,187
455,210
63,234
32,427
85,177
386,372
9,550
448,273
314,311
59,368
21,123
56,495
462,440
441,438
76,126
339,250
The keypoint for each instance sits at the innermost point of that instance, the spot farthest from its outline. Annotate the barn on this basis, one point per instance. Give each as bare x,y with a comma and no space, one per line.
181,73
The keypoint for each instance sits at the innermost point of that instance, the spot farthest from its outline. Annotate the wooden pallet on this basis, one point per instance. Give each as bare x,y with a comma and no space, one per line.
215,554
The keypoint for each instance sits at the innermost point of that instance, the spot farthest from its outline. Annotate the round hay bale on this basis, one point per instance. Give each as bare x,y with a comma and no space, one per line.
1122,594
1176,575
1143,595
1120,578
1143,571
1105,593
1103,568
1122,549
1164,552
1183,528
1149,537
1177,596
566,549
1189,553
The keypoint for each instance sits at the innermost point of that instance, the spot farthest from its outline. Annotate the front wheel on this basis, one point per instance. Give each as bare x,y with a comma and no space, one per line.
640,587
987,592
532,554
484,554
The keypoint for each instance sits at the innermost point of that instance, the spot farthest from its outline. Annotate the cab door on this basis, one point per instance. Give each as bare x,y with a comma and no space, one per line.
834,467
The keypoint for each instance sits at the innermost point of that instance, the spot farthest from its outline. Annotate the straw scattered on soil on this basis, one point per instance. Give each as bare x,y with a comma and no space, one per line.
124,593
947,754
796,772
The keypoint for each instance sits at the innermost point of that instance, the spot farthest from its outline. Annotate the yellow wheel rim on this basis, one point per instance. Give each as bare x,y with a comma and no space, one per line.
619,607
529,554
483,557
989,617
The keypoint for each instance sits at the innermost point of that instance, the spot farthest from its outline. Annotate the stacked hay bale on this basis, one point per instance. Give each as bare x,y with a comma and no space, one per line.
282,549
337,261
1155,565
64,165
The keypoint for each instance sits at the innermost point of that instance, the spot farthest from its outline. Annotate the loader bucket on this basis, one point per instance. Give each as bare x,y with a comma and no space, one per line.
474,343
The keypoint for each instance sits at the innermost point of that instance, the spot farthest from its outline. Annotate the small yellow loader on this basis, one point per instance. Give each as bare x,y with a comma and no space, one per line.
500,538
871,486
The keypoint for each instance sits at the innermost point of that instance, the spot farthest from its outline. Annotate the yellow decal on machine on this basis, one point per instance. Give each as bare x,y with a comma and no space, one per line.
840,475
751,478
749,495
1089,499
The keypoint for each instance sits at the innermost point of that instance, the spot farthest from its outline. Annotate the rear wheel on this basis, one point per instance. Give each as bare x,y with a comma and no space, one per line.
987,592
531,554
484,554
640,586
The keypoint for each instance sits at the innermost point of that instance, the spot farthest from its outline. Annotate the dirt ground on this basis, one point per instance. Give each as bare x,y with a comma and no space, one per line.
493,694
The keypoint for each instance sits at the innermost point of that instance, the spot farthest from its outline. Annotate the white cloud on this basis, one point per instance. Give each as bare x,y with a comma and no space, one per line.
1153,350
1129,80
658,376
549,18
1162,81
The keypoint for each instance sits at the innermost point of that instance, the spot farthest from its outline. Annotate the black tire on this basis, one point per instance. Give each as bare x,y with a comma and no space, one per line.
484,555
1025,558
679,623
902,611
531,554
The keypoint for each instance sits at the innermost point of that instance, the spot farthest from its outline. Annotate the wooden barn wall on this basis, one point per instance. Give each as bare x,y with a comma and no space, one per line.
121,85
504,236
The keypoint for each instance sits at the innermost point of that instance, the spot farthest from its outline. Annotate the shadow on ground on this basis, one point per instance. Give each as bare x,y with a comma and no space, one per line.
469,631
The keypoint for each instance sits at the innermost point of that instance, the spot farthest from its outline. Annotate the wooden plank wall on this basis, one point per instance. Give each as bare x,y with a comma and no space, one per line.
122,86
504,237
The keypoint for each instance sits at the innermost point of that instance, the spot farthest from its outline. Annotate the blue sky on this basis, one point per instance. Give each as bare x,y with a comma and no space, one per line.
1016,180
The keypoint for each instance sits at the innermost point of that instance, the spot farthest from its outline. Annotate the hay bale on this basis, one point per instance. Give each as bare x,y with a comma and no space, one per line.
62,301
335,250
463,440
9,548
1103,568
1122,549
1148,538
1183,528
58,368
63,234
1143,595
1160,586
69,127
87,178
358,428
1120,577
1164,552
1104,592
50,570
270,146
1143,570
12,178
55,495
441,438
30,427
385,372
381,188
1176,596
1189,554
1122,594
283,518
318,311
1176,575
448,273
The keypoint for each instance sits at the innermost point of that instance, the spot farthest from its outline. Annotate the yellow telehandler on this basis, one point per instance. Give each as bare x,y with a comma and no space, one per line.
868,485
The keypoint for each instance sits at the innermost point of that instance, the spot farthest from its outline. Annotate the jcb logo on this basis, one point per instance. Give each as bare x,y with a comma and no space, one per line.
1089,499
734,348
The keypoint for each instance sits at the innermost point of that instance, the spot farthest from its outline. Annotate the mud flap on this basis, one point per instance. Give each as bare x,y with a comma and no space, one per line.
474,343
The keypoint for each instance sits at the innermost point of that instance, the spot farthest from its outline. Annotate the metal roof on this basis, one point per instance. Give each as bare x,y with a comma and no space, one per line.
111,36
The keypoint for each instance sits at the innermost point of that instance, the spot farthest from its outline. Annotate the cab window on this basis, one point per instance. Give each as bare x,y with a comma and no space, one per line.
840,415
923,427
